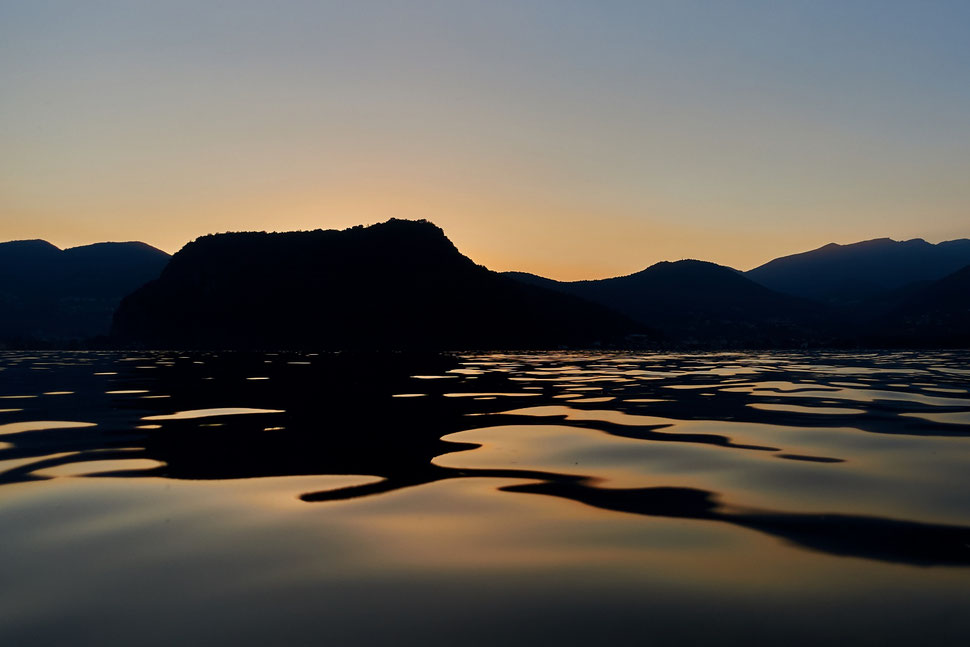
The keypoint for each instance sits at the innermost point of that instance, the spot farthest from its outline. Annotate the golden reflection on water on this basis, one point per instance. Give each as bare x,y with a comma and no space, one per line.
208,413
797,408
747,495
604,415
37,425
93,466
492,395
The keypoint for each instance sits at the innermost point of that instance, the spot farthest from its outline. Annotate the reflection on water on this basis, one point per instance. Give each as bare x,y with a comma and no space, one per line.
209,413
514,498
38,425
799,408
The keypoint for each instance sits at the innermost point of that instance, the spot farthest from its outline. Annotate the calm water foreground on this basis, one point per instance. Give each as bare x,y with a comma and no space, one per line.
514,499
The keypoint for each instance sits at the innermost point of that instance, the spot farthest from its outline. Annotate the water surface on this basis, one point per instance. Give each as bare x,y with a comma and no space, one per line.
548,498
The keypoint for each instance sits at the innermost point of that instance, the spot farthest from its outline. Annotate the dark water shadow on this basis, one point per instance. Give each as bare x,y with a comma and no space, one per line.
890,540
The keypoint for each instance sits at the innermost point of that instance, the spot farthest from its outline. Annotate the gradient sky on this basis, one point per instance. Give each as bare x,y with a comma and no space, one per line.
571,139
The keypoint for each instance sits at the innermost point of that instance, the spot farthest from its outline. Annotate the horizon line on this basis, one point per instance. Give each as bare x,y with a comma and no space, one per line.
370,224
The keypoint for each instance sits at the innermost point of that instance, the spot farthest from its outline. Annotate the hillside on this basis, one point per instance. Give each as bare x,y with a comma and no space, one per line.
851,274
696,302
937,315
398,284
53,295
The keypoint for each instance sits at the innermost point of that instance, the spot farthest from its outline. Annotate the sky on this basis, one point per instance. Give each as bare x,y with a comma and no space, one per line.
573,139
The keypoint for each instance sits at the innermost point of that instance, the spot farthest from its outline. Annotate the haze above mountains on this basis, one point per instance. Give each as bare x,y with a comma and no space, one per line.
403,284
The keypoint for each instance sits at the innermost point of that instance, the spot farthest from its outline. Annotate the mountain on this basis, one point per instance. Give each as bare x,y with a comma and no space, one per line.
397,284
936,315
49,294
700,303
854,273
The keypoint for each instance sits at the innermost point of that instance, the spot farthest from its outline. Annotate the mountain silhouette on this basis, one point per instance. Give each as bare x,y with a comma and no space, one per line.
403,284
397,284
699,303
852,274
52,295
937,314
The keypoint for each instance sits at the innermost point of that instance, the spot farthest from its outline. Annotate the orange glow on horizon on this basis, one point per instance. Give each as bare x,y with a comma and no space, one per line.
553,240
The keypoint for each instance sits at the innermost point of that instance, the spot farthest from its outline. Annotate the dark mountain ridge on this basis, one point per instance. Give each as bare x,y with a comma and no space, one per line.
52,295
403,284
935,315
397,284
853,274
700,303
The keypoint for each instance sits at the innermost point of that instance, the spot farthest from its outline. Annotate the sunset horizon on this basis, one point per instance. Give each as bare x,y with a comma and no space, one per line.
574,275
575,141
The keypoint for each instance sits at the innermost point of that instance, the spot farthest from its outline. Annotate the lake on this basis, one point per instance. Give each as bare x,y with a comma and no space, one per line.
562,498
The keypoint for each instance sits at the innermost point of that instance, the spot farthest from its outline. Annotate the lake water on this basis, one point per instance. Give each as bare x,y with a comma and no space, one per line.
512,499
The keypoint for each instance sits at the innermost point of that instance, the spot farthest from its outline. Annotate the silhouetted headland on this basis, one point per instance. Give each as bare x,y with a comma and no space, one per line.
403,285
399,284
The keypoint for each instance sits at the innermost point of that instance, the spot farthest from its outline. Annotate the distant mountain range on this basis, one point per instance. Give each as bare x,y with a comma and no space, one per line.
858,272
398,284
403,284
873,293
697,302
52,295
935,314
